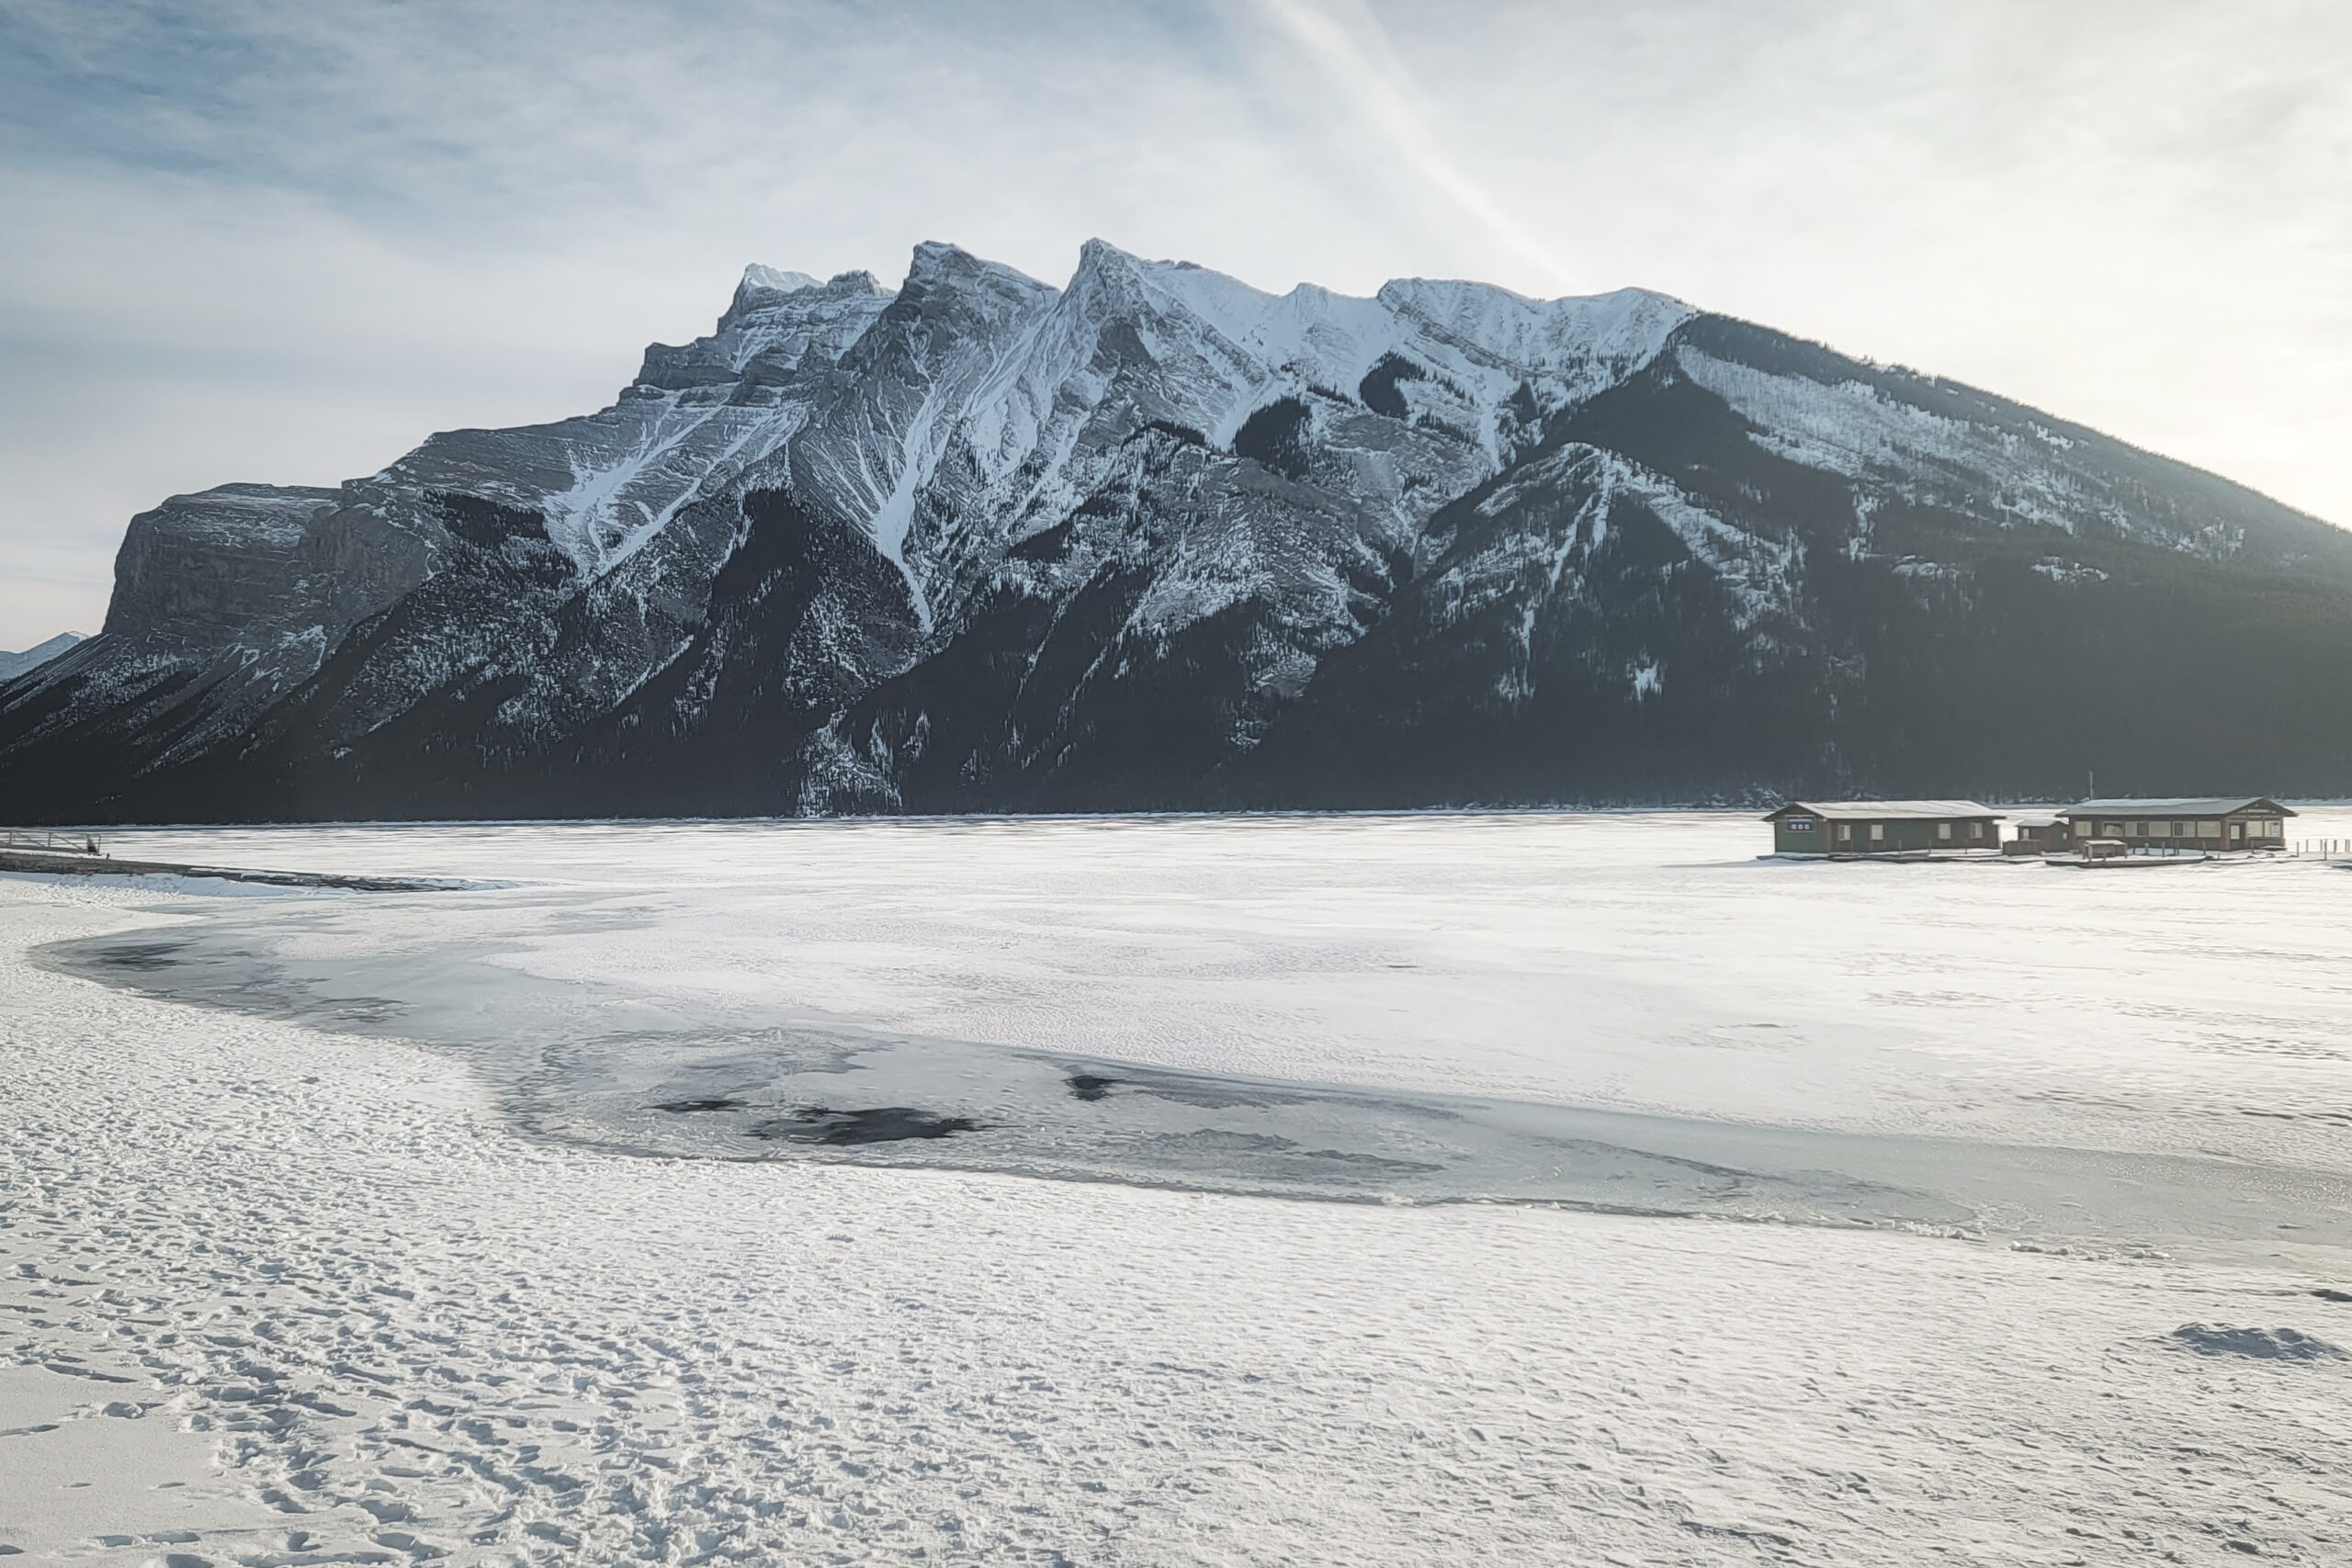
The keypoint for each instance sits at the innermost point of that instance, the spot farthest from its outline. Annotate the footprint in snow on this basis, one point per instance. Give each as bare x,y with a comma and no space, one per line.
2263,1343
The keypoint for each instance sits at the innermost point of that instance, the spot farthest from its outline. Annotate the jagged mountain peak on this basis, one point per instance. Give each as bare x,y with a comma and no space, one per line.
857,280
952,303
765,289
1626,325
1474,343
1236,309
772,280
936,265
767,332
15,664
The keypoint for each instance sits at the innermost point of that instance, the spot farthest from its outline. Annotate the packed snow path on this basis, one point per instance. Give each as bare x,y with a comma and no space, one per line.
400,1333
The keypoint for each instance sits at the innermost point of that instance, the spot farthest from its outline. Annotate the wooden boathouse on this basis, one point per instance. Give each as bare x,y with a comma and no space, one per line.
2232,822
2038,836
1836,828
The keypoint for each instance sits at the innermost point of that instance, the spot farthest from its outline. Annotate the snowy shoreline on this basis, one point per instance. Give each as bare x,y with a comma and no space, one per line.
353,1313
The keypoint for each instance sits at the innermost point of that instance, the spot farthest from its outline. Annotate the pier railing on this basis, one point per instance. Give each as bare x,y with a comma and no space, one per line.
48,839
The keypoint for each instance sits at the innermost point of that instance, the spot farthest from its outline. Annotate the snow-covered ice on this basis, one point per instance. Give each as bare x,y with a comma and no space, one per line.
373,1283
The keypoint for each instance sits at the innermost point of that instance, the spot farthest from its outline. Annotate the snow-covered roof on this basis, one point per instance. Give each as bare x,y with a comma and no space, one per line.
2201,805
1882,811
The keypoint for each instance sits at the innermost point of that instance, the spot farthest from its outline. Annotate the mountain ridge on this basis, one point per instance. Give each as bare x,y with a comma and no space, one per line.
1156,539
15,664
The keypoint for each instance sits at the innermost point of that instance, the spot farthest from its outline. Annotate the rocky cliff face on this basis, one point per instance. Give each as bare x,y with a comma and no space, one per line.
1158,540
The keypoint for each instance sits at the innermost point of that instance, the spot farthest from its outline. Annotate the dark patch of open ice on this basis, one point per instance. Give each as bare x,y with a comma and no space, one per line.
880,1125
144,956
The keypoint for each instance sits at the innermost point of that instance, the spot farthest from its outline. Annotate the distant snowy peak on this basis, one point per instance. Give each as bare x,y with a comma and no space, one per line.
768,279
15,664
777,322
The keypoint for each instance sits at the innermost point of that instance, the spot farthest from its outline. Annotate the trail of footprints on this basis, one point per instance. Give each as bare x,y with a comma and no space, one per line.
417,1338
374,1364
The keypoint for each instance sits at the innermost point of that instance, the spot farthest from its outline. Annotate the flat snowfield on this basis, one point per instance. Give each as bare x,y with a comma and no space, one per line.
1523,1189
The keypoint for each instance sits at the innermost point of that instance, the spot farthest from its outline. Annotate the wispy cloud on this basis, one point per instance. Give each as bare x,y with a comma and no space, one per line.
1346,42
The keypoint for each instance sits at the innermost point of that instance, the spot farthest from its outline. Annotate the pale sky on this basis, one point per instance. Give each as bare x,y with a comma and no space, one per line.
282,241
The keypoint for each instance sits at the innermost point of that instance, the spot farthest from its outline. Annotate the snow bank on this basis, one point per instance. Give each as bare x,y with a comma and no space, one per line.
399,1330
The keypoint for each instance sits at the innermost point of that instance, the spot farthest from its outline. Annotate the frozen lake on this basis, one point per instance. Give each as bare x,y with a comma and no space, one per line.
2068,1156
1619,1010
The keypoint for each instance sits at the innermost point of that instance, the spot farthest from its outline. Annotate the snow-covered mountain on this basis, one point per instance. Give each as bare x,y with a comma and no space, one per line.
1158,539
15,664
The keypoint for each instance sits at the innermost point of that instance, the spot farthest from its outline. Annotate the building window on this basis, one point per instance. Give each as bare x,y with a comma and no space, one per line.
1878,832
1976,830
1944,832
2209,830
1845,832
1800,824
2115,830
2178,828
2237,831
